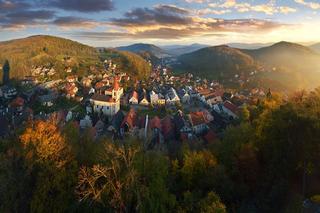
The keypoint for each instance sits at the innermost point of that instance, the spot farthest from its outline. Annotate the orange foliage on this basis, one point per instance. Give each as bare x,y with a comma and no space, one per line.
44,141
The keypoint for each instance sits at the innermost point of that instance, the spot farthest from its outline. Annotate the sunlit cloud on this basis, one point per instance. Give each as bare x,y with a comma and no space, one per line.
311,4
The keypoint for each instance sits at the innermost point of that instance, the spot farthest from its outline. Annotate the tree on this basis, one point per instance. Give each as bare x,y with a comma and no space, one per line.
245,114
44,143
113,181
6,72
51,165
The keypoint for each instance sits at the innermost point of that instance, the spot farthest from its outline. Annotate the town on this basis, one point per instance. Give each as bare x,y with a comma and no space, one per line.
109,103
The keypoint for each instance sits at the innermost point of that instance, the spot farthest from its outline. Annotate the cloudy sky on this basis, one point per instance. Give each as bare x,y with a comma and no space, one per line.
121,22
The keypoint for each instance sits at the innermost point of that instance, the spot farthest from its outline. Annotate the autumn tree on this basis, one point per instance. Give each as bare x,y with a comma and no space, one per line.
52,166
112,182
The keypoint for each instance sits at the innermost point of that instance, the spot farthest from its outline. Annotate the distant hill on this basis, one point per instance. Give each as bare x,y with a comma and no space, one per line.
287,65
217,61
287,56
294,65
177,50
58,53
248,46
141,48
315,47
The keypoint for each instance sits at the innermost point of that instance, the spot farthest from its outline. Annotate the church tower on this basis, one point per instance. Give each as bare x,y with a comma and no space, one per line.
117,91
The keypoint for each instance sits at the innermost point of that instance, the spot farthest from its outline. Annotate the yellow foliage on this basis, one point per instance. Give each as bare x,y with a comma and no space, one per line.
44,141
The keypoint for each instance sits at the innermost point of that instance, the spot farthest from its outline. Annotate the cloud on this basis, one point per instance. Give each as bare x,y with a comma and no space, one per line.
207,11
20,19
82,5
269,8
167,15
9,6
70,22
312,5
198,27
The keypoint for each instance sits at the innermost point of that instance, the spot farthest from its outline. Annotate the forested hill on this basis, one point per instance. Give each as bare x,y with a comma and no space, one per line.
217,61
23,54
286,65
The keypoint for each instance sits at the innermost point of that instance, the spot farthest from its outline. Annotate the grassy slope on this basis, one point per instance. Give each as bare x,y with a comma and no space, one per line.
46,50
53,51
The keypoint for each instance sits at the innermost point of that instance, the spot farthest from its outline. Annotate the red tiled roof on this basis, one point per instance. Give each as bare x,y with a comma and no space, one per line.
233,108
197,118
99,85
130,119
135,95
105,98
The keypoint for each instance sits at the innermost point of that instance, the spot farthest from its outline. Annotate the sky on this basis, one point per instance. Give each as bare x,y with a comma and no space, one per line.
111,23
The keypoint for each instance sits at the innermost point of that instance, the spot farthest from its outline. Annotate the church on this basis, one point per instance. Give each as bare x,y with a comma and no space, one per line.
108,103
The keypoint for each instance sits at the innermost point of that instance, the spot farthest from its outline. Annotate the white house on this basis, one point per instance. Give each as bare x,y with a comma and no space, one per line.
134,99
154,97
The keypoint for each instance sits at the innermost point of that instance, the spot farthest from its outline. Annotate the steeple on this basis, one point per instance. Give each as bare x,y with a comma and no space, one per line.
116,86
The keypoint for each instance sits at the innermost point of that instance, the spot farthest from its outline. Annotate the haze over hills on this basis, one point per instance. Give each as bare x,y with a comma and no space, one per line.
289,64
316,47
141,48
177,50
249,46
60,53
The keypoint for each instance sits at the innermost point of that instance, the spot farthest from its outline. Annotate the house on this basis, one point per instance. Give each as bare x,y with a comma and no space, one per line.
213,99
129,122
109,103
154,97
161,100
51,72
198,121
184,96
8,92
86,82
143,100
230,109
134,98
71,90
172,97
72,79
